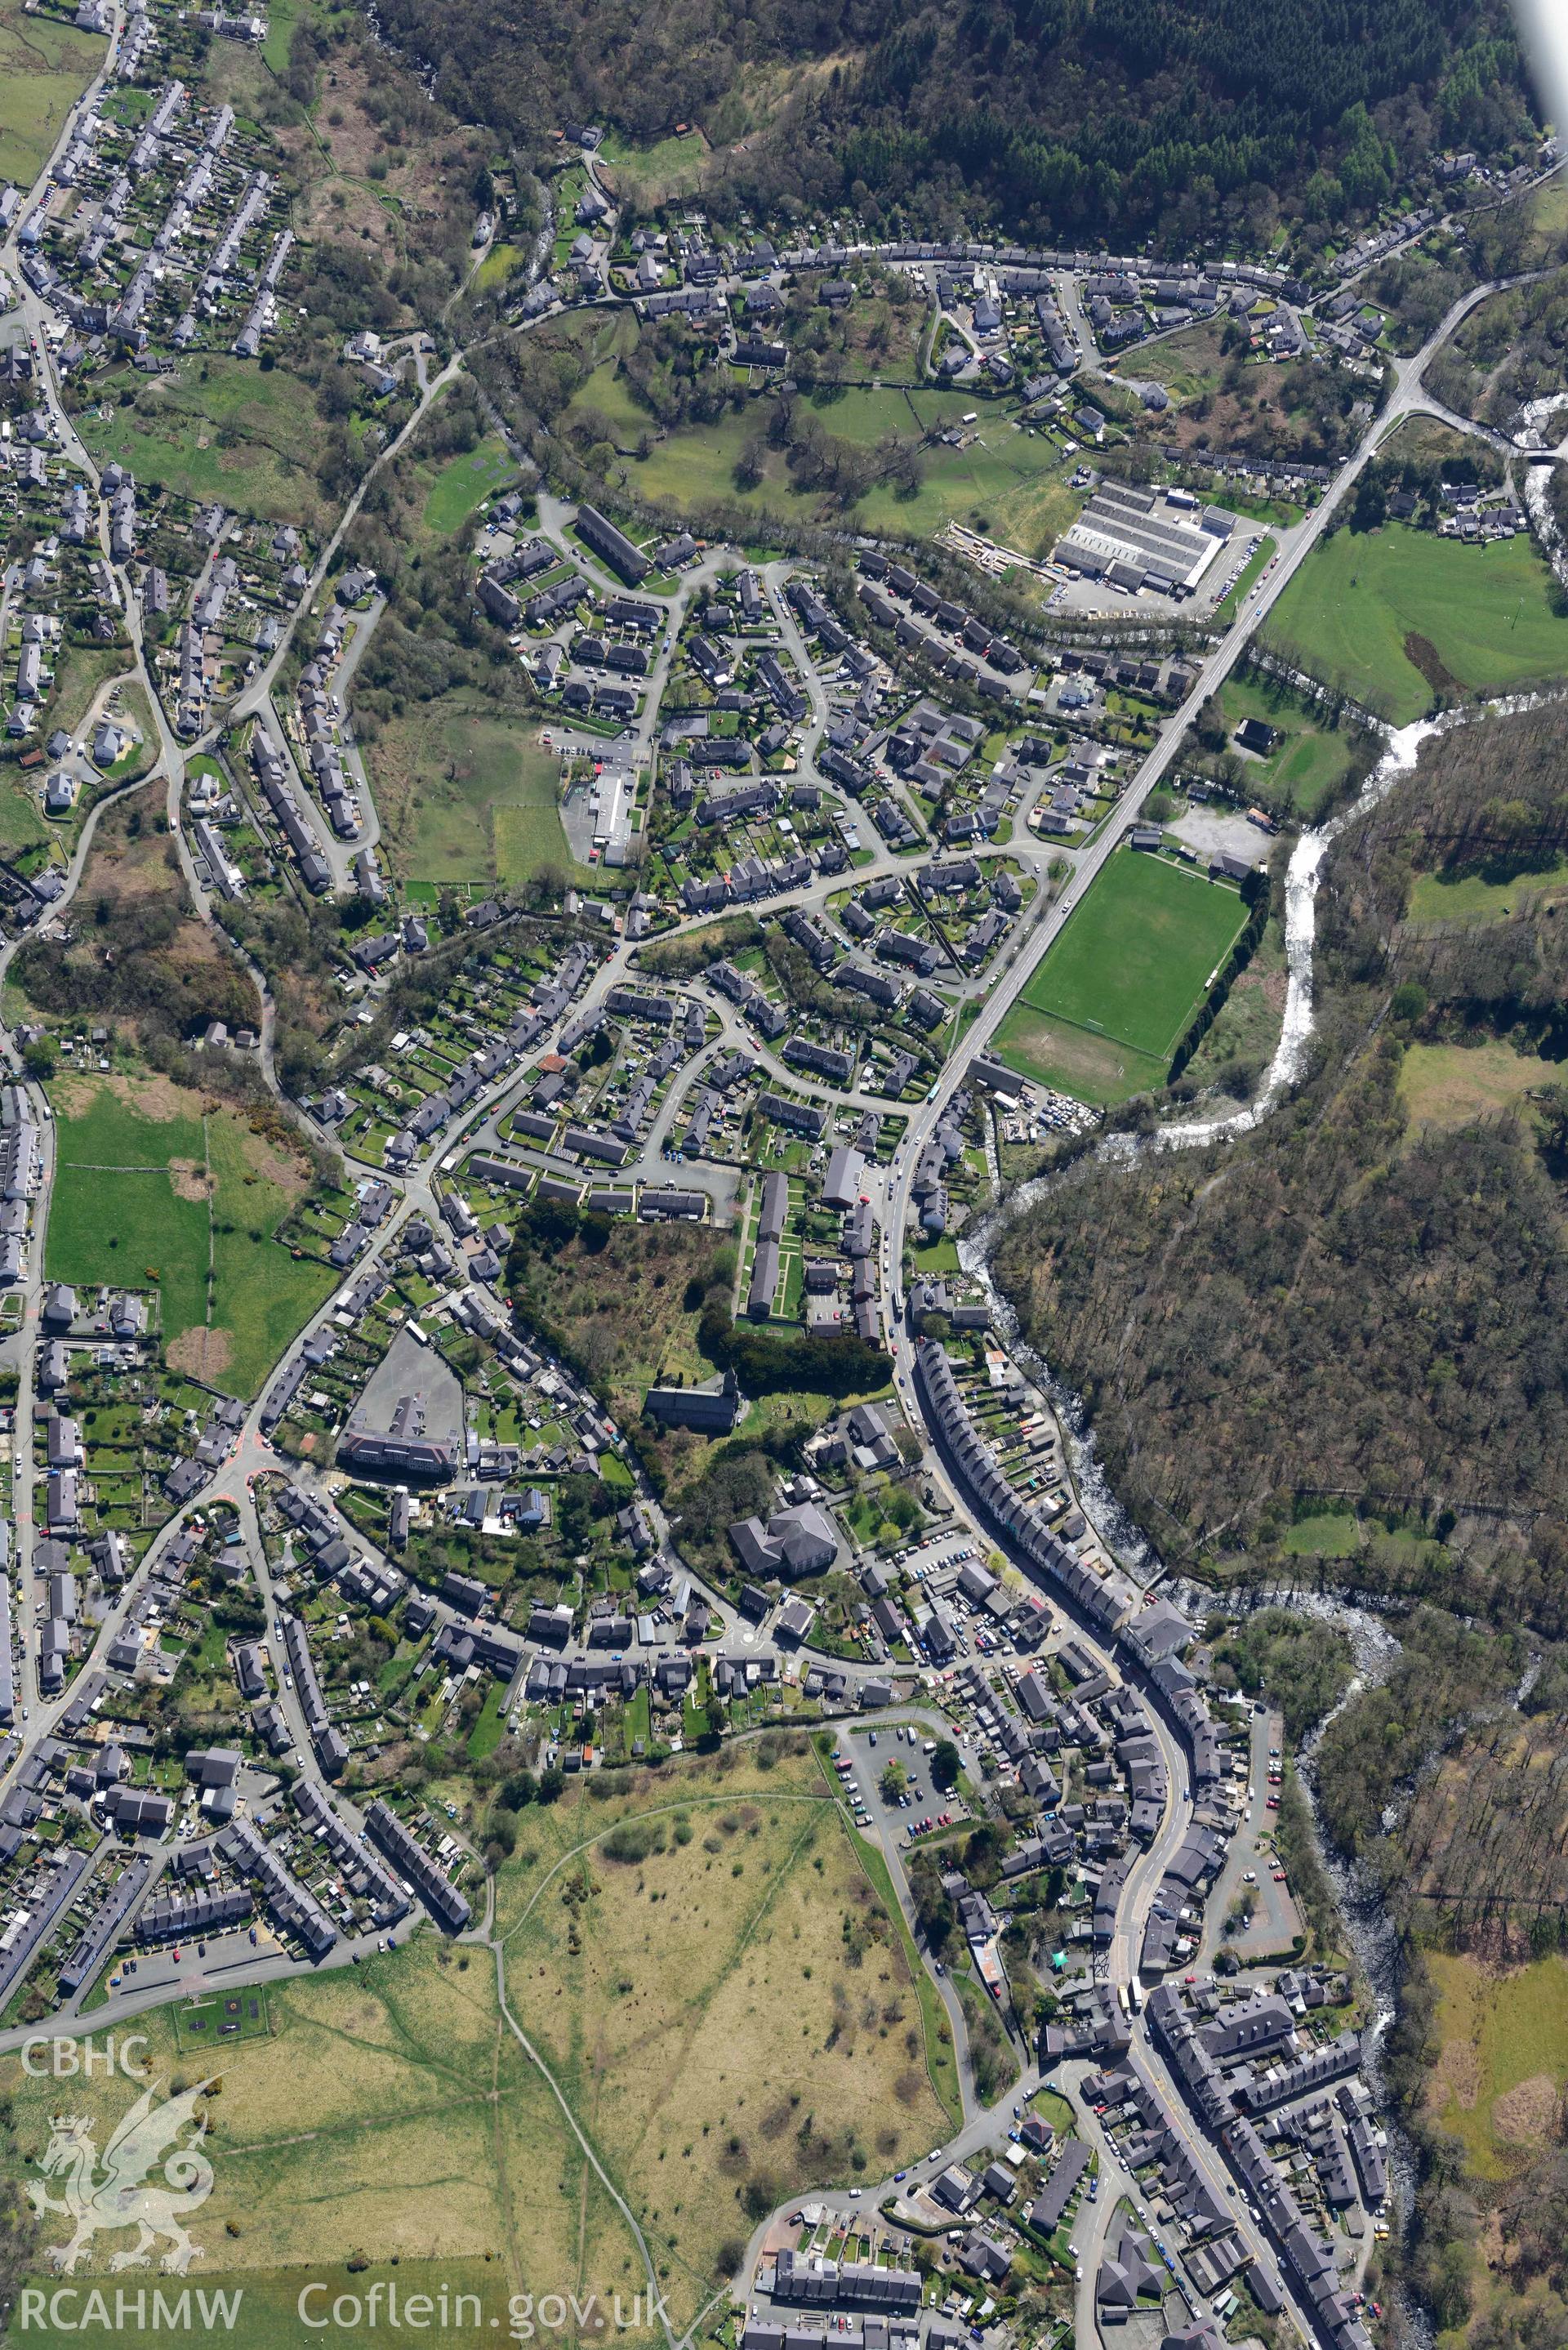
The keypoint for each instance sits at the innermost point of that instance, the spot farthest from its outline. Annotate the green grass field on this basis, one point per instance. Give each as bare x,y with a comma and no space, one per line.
1008,484
498,264
1011,484
1314,759
1548,215
463,484
79,672
1190,363
45,66
281,19
21,819
1281,512
657,174
1504,2057
1400,617
1444,1085
131,1206
1331,1535
1470,898
1125,976
608,391
115,1214
1102,1013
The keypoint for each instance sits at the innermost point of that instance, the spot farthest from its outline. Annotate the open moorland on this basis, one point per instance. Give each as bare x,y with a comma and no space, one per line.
723,1995
390,2121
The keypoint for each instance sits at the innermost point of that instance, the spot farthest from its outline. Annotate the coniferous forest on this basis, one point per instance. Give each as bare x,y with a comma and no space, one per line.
1052,118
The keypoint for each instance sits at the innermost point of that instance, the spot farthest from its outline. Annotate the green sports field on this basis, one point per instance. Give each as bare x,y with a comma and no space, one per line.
151,1193
1101,1015
1400,619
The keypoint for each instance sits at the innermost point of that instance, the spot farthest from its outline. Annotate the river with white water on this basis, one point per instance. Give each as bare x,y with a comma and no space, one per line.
1375,1646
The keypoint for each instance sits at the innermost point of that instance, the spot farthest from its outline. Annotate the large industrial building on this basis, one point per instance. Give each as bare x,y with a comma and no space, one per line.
1135,537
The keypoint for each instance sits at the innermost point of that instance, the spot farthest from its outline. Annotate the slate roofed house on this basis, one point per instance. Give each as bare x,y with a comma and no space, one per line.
611,545
955,2189
801,1539
794,1621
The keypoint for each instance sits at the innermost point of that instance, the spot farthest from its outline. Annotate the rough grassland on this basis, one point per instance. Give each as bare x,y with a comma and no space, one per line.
1389,615
1134,960
1498,2082
624,1308
1444,1085
1247,1025
391,2118
467,798
249,438
732,2016
1470,898
131,1204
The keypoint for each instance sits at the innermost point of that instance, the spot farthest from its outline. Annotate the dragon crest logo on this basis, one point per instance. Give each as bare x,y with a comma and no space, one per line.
119,2197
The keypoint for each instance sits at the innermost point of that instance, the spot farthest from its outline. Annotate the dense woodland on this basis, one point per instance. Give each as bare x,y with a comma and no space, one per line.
1056,116
1448,1780
1332,1306
1511,351
138,954
1445,1776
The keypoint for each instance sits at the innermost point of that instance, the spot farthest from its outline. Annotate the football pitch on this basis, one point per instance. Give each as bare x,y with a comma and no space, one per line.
1105,1010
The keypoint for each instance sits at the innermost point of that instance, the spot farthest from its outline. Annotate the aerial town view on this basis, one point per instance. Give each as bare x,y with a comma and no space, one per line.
783,1175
